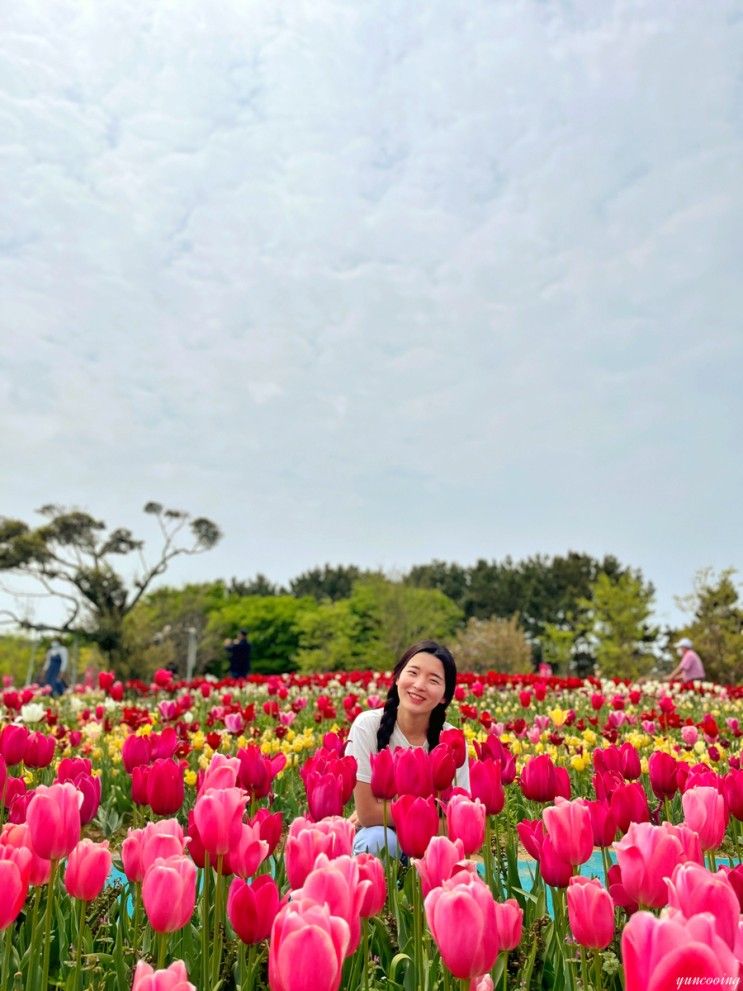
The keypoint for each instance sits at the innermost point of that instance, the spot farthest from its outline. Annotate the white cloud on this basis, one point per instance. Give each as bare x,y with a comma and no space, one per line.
378,281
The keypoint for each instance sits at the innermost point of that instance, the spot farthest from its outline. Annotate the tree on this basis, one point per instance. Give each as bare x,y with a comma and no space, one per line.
273,623
618,612
327,583
260,585
716,629
74,560
493,644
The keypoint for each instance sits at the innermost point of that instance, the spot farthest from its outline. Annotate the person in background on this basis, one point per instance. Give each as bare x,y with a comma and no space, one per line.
240,656
413,716
55,666
690,667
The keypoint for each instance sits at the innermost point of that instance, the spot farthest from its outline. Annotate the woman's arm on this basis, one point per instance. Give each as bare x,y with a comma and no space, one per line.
368,808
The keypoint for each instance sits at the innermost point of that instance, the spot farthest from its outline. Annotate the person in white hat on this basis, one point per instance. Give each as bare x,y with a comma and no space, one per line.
690,667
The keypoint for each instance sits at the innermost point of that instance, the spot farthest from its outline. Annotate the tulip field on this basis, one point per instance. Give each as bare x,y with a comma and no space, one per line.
175,836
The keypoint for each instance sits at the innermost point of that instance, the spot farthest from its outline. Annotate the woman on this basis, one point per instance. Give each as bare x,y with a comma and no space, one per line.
413,716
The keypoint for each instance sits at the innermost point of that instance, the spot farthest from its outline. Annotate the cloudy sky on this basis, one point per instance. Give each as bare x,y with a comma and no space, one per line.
378,281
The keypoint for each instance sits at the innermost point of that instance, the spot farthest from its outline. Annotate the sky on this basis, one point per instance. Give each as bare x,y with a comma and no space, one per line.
378,282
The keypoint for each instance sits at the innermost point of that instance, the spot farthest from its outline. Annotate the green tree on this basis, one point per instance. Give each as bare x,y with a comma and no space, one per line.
327,583
75,561
274,624
618,612
260,585
716,629
493,644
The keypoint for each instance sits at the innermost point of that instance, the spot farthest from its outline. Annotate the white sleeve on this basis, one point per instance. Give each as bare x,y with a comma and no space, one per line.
462,777
362,742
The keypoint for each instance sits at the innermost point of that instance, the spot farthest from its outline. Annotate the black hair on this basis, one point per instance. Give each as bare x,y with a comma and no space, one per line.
438,715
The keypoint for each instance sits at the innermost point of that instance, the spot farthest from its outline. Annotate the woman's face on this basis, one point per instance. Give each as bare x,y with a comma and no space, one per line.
421,684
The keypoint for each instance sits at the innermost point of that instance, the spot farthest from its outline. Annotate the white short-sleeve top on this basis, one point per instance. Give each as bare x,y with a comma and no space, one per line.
362,742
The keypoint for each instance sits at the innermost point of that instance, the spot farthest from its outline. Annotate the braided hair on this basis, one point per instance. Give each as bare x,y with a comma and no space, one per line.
438,715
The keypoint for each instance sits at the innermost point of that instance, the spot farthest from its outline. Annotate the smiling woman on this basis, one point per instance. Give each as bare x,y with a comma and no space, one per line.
413,716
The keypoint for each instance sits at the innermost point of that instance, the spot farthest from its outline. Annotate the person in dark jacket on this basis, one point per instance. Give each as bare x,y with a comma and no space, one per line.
240,656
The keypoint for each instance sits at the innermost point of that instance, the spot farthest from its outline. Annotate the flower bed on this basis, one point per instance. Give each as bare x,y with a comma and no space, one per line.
199,827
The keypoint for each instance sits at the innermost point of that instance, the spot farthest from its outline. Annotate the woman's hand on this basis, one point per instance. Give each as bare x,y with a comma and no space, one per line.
354,819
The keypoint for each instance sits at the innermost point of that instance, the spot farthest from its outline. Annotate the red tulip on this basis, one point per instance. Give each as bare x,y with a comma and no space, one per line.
556,870
693,889
618,892
416,821
307,948
14,788
163,745
306,840
372,870
324,794
568,826
257,772
662,772
493,749
443,767
464,905
169,893
135,752
413,772
271,826
662,954
542,781
603,823
173,978
251,908
88,867
733,874
629,803
139,776
525,698
706,813
455,741
106,680
165,791
732,789
591,913
485,784
39,750
13,743
383,775
531,833
465,821
53,817
15,877
509,921
218,816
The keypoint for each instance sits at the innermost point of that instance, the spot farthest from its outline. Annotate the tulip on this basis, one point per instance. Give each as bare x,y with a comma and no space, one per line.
493,749
465,821
371,869
306,840
173,978
413,772
131,855
13,743
732,789
39,750
53,817
486,785
15,877
163,745
570,830
257,772
416,821
706,813
619,895
660,954
647,855
218,816
662,771
542,781
464,905
251,908
629,803
135,752
169,893
337,884
690,846
158,843
307,948
324,794
443,767
555,869
509,921
165,791
248,854
693,890
603,823
531,833
89,787
19,835
271,825
88,867
590,912
221,773
383,775
139,776
455,741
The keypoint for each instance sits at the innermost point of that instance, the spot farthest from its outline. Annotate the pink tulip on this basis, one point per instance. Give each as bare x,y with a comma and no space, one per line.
531,833
87,871
257,772
661,954
441,859
251,908
555,869
603,822
413,772
732,789
337,884
648,855
693,890
131,855
173,978
53,818
218,816
248,854
486,784
307,948
465,821
324,794
271,827
19,835
416,821
464,905
569,827
15,877
13,743
333,837
706,813
509,920
221,773
590,912
372,870
169,893
383,775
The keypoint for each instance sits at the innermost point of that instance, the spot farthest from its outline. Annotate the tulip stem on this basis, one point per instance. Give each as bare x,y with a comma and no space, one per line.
79,955
598,983
607,865
6,956
48,925
205,925
137,918
667,808
218,907
365,936
505,971
162,945
34,940
488,854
